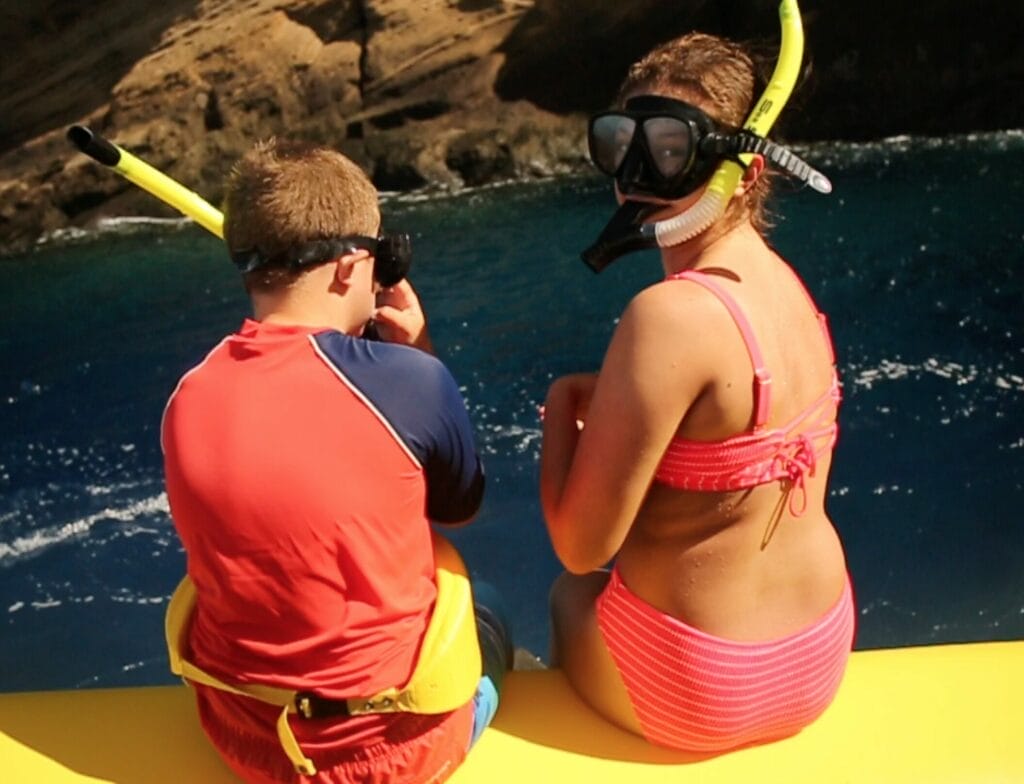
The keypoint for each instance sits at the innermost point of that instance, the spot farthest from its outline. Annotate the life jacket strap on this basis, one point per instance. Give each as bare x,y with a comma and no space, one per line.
444,678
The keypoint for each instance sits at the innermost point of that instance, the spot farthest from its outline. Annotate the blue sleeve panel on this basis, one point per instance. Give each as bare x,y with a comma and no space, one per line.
419,398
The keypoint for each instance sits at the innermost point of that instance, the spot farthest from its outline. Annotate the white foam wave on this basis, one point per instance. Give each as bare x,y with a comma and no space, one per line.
496,436
122,224
959,374
115,487
38,541
124,599
857,152
117,222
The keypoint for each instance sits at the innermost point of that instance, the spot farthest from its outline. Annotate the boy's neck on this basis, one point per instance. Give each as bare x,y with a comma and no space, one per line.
307,306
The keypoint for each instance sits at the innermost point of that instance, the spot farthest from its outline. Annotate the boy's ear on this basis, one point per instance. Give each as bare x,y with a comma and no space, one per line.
344,265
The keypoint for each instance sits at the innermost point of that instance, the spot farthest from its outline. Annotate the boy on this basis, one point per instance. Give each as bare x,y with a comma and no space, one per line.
304,464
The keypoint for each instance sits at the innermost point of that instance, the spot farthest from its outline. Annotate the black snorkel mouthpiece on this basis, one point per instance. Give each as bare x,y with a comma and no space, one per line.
625,233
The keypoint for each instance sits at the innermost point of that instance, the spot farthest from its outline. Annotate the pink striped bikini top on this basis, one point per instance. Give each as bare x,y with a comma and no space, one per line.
759,456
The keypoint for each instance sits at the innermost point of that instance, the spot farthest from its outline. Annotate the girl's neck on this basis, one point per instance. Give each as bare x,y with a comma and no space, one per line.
711,248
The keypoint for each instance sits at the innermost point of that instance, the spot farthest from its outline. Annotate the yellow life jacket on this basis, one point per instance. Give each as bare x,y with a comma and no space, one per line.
444,678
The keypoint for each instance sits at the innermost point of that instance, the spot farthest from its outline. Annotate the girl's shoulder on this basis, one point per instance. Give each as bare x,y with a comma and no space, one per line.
679,305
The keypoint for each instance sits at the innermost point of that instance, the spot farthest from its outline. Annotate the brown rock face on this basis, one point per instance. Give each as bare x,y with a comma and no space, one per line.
403,87
433,92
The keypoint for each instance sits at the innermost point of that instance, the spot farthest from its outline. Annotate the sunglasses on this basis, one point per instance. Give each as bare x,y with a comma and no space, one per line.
392,252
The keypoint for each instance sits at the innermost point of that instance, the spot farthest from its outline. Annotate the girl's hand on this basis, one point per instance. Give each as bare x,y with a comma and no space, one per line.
578,389
399,317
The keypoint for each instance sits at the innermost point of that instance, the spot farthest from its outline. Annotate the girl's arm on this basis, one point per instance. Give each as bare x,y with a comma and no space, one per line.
594,481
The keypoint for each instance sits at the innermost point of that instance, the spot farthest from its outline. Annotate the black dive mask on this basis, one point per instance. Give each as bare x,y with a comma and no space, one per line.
392,254
661,148
666,149
653,147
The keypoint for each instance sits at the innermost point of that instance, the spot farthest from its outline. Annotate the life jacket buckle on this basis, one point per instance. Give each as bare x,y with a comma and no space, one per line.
310,705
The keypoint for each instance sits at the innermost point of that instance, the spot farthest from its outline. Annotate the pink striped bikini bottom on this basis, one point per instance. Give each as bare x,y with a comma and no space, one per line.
696,692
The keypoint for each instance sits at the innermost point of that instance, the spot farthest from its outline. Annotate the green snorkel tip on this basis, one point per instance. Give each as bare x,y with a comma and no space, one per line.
93,145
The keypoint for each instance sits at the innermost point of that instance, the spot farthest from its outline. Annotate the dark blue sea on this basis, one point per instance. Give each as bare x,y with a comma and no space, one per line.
916,256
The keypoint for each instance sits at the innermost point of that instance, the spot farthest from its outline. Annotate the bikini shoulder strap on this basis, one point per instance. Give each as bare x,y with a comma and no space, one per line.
762,377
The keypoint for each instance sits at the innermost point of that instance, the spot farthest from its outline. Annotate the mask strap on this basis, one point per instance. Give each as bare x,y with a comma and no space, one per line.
745,142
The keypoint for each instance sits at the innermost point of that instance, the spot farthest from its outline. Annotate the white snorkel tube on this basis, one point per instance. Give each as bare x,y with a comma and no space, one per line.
626,232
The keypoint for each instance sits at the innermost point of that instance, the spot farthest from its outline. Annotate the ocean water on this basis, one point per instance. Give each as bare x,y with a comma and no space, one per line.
916,257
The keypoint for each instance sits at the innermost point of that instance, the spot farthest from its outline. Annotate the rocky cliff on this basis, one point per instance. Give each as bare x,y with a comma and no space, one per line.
437,92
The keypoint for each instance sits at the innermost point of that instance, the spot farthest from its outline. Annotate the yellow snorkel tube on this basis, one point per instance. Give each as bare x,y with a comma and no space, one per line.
393,252
722,185
188,203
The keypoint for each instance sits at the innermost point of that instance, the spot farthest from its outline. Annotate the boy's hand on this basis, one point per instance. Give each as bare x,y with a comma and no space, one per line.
399,317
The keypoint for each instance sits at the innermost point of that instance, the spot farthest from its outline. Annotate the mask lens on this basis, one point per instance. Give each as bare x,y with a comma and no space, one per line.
670,143
610,137
394,257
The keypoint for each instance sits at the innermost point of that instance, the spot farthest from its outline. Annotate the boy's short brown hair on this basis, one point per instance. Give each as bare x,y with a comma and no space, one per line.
282,194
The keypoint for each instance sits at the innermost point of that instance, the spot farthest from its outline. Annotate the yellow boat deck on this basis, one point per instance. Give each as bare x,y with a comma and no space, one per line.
951,713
